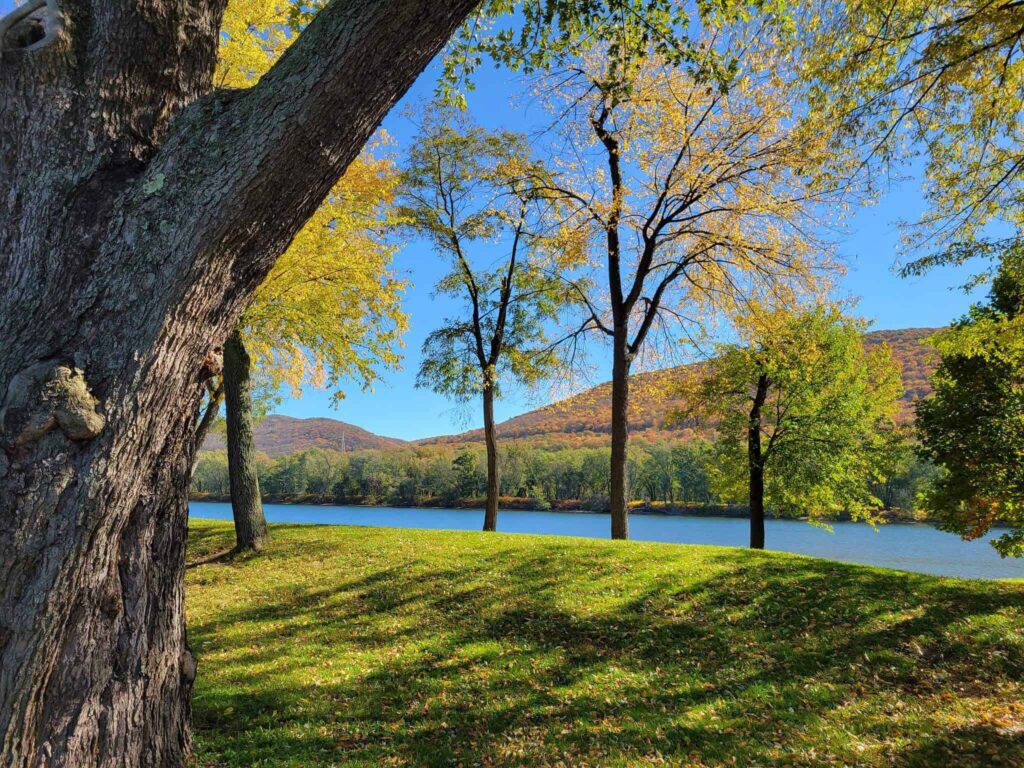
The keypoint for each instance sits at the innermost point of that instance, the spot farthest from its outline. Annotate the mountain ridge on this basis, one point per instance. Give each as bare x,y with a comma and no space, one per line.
279,435
581,419
584,418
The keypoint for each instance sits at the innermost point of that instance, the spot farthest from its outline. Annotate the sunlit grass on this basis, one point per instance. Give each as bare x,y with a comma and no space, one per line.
344,646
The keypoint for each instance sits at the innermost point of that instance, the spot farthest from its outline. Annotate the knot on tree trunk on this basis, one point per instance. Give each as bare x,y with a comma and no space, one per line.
189,666
49,396
213,364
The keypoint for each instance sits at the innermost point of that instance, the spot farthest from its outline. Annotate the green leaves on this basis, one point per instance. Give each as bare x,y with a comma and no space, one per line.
973,427
824,425
473,194
541,35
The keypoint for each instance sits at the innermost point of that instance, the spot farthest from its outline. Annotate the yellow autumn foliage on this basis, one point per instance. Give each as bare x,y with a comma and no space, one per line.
330,309
691,198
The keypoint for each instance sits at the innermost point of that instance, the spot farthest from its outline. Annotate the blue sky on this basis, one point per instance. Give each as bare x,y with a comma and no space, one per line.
396,408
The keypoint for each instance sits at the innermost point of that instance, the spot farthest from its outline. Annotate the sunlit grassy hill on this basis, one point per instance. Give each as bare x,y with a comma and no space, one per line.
585,418
345,646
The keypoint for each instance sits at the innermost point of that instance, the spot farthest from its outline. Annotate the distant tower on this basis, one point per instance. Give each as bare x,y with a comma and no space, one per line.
343,442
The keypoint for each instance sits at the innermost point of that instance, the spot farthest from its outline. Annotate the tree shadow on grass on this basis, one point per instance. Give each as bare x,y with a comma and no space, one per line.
981,746
548,655
213,541
206,537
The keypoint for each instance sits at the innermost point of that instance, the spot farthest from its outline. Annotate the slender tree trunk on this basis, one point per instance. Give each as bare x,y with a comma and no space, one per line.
246,505
138,213
756,506
619,490
216,397
491,441
755,459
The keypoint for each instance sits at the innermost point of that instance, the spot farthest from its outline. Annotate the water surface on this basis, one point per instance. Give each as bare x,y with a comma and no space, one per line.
910,547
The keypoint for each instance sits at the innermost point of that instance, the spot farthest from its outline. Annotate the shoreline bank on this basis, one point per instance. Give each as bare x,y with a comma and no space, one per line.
571,506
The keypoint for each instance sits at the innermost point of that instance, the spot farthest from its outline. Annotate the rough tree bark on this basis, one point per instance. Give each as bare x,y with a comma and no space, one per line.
246,504
755,460
139,213
491,442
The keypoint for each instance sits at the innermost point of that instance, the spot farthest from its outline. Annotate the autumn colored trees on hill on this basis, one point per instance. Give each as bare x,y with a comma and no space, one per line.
583,419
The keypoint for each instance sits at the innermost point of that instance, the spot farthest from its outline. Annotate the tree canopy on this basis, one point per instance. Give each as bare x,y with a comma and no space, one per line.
535,36
942,78
330,310
692,196
818,406
973,426
473,195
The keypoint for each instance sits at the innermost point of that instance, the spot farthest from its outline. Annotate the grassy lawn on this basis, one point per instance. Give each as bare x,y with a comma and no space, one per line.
381,647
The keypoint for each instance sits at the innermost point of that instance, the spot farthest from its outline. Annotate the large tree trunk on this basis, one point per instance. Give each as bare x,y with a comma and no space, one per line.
138,216
755,461
246,505
619,487
491,441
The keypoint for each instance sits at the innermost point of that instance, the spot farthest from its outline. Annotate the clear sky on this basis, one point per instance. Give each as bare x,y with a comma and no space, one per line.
396,408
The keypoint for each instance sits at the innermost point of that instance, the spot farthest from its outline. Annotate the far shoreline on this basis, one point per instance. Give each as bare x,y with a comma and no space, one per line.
655,509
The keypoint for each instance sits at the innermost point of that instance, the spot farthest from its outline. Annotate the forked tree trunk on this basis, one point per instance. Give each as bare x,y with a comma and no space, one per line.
491,441
246,505
755,460
137,217
619,486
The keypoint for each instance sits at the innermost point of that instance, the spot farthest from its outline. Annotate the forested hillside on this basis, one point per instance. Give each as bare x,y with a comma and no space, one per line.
584,418
285,435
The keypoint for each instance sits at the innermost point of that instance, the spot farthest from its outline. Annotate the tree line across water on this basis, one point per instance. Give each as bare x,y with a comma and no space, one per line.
664,476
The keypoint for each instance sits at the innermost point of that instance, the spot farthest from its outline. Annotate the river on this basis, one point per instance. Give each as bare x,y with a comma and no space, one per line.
909,547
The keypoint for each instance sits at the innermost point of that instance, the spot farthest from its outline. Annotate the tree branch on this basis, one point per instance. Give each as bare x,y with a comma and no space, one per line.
216,395
259,162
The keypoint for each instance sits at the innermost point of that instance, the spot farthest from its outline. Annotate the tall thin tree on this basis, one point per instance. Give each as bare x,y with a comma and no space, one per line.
689,198
470,193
